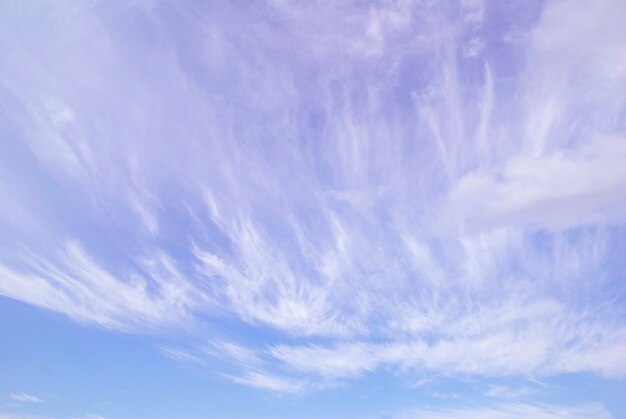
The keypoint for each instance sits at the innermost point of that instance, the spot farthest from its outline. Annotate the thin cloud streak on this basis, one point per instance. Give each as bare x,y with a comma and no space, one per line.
514,410
24,397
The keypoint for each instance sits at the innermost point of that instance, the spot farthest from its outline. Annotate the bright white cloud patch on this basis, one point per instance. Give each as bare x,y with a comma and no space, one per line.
417,188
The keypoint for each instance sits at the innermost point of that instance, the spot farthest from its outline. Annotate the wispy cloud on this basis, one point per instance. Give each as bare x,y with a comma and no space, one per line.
269,382
506,392
24,397
5,415
180,356
368,187
82,289
514,411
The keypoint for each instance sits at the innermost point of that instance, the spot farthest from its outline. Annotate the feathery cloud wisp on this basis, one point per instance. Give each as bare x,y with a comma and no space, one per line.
410,187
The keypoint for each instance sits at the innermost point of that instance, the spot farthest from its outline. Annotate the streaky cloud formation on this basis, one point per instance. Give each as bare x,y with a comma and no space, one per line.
516,411
300,196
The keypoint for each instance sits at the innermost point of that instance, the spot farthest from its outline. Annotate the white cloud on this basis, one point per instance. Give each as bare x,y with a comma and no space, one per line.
265,289
513,411
474,47
507,392
582,34
343,182
232,352
27,398
180,356
13,415
80,288
474,11
346,360
561,190
535,339
269,382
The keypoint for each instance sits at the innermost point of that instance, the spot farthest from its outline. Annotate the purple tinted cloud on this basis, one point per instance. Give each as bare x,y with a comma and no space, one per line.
414,186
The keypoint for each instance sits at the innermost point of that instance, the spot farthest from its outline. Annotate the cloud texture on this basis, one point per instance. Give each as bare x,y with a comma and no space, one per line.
415,187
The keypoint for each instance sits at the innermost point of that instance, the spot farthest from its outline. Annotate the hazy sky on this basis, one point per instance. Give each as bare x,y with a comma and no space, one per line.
312,209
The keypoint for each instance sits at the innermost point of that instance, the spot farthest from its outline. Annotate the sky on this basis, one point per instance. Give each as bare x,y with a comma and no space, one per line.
312,209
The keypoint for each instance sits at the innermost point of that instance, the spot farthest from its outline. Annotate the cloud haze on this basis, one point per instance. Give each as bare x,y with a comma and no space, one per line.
420,188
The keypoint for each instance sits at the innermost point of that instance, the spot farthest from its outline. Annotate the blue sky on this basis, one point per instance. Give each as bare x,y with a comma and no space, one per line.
315,209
